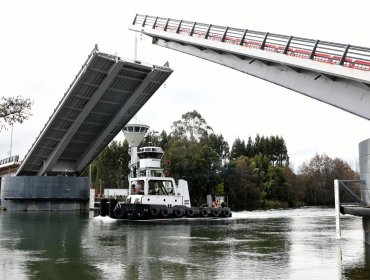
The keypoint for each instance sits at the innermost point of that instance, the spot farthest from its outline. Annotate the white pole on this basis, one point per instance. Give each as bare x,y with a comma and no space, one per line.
11,143
337,208
135,50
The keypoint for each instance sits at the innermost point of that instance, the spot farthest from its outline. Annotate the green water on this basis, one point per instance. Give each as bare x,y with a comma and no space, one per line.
281,244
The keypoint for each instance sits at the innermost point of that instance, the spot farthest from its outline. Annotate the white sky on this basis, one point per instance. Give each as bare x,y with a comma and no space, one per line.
43,44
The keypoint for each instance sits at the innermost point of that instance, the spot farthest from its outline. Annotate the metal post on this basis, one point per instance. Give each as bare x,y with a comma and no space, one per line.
11,142
135,47
364,157
337,208
100,181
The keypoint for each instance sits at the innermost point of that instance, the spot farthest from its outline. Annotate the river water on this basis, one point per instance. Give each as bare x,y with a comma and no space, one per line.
275,244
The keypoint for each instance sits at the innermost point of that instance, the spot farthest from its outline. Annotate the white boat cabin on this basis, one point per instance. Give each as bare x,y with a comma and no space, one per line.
150,185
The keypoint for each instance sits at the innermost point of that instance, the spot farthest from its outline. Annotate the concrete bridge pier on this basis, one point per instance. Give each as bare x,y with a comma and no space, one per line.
364,156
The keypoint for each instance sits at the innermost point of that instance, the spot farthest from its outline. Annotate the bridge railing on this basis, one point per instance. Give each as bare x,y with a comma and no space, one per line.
327,52
9,160
80,72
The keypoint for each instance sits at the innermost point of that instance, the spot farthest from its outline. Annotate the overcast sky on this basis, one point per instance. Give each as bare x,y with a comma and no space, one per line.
43,44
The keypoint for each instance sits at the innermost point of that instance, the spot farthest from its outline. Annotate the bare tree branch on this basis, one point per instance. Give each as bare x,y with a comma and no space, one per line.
14,110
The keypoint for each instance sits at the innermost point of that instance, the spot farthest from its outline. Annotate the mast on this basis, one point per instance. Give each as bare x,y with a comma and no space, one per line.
134,133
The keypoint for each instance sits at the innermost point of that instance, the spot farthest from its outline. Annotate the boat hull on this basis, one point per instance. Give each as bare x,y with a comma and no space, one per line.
116,210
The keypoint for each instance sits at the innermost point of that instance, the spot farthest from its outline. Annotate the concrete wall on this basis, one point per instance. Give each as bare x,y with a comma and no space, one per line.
49,193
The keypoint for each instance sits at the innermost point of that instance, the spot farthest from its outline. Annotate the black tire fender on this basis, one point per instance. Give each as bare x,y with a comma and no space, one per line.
177,213
190,213
204,213
154,211
164,212
216,212
119,212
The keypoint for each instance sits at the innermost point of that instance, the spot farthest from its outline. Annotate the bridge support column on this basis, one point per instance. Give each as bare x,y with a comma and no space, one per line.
44,193
364,156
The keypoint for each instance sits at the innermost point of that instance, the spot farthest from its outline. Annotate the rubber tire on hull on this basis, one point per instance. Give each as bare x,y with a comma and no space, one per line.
154,212
190,213
177,213
216,212
204,213
164,212
112,206
119,212
226,213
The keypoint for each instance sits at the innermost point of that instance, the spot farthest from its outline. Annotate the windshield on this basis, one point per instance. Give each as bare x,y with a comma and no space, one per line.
160,187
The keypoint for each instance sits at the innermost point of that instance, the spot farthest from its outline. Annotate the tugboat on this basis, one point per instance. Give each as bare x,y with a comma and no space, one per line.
152,193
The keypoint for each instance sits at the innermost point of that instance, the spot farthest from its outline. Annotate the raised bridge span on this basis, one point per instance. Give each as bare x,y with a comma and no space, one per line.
105,95
337,74
334,73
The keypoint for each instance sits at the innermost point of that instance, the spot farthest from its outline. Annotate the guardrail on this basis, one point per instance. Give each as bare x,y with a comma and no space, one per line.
327,52
9,160
80,72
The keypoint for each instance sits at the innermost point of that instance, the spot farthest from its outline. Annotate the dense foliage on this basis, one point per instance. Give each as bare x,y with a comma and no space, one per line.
252,175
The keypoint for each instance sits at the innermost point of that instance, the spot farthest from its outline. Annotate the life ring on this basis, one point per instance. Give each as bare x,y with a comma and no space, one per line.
164,213
226,212
139,213
130,214
119,213
166,173
216,212
204,212
167,162
177,213
190,213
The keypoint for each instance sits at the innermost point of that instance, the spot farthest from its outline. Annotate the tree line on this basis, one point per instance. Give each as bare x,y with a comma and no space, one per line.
253,174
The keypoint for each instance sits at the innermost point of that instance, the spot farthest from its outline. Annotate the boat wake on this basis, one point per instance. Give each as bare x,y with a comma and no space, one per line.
105,219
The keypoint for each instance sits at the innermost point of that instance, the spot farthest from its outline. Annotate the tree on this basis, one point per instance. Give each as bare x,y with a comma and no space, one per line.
153,139
195,154
111,166
198,164
241,184
276,187
318,177
217,143
192,126
238,149
14,110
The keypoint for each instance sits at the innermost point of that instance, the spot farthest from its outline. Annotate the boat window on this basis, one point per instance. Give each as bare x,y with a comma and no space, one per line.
130,128
137,129
160,187
155,173
137,187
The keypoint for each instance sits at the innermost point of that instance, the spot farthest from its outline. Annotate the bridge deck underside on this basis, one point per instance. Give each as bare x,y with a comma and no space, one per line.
105,95
336,74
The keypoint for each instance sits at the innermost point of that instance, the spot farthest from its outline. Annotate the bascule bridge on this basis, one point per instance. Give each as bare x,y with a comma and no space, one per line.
335,73
104,96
